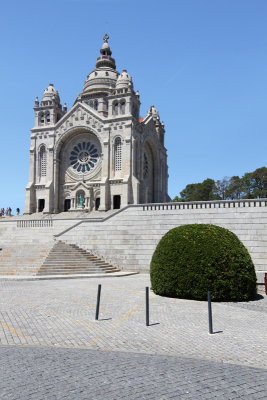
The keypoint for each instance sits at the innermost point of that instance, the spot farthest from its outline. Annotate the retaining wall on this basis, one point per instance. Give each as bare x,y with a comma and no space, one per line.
128,238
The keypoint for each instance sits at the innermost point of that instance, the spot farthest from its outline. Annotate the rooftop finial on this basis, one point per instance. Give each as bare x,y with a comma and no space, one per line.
105,38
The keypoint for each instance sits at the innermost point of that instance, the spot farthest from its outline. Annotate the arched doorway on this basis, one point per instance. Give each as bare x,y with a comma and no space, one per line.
97,203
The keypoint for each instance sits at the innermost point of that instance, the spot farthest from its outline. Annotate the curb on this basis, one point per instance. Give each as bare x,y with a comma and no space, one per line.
52,277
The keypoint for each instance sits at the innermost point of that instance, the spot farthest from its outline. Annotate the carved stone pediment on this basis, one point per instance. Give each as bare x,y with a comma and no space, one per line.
80,115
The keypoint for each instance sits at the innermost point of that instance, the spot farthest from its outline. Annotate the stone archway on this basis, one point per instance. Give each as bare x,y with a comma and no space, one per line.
78,160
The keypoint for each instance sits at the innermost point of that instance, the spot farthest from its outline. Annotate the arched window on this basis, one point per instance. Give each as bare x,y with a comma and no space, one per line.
47,117
161,176
115,108
41,118
117,154
96,105
122,106
43,161
146,166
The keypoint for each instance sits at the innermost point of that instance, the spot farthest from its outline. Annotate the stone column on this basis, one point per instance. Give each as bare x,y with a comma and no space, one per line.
104,192
56,184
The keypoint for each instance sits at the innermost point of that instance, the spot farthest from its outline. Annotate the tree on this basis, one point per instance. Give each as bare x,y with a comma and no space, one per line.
176,199
235,188
222,188
207,190
259,182
252,185
199,191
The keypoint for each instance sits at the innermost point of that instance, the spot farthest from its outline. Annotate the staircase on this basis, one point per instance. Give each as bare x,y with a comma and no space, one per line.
69,259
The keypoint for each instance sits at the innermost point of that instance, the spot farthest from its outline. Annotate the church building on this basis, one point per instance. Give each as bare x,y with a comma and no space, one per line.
99,155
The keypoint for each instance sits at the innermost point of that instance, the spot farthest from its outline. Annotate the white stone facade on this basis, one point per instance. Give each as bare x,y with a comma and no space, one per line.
99,155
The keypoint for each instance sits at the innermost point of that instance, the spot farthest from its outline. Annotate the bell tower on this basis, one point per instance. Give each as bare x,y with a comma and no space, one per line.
50,110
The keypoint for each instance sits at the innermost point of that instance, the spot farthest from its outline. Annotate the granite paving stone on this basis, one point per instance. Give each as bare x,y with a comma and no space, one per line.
51,347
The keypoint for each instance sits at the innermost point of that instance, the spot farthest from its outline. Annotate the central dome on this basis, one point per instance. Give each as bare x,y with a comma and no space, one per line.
104,77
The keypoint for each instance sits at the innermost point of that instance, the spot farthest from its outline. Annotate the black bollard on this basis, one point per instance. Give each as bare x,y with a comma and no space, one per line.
210,313
147,306
98,302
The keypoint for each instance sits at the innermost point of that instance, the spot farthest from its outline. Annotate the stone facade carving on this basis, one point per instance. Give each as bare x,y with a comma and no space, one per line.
98,155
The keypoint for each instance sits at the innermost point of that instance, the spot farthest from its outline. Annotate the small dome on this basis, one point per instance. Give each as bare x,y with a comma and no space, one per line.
105,47
50,94
124,80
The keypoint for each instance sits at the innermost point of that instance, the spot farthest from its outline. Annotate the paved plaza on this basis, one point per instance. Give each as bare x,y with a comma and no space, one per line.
52,347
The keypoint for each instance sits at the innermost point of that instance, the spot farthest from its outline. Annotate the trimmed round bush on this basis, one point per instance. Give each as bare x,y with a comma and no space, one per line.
190,260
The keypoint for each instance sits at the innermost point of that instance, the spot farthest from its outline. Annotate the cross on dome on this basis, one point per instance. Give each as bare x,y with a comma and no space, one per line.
105,38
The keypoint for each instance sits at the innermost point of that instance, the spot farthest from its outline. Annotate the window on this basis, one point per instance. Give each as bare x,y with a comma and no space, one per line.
41,118
115,108
117,154
43,161
96,105
122,107
47,117
146,166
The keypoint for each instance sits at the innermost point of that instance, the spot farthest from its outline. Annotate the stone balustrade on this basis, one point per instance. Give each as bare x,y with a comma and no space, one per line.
206,204
35,223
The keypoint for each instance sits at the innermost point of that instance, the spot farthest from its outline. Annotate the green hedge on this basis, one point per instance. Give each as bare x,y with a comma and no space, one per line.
192,259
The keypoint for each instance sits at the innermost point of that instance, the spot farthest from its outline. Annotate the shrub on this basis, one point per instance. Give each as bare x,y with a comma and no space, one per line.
192,259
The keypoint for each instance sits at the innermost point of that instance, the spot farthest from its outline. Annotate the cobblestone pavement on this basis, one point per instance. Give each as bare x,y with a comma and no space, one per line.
86,374
48,336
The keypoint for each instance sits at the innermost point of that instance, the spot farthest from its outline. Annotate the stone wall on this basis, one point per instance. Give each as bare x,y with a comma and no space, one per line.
129,238
25,243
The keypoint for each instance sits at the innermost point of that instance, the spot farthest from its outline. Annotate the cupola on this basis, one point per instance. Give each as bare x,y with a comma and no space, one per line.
50,96
124,81
104,77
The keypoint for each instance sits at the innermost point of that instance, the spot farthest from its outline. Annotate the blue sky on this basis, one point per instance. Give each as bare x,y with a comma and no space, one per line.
202,63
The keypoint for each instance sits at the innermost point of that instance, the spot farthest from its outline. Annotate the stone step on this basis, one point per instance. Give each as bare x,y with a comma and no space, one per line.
74,271
70,259
83,266
71,272
73,260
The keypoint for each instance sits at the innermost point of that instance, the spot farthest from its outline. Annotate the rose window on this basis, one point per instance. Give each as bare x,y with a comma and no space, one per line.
84,157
